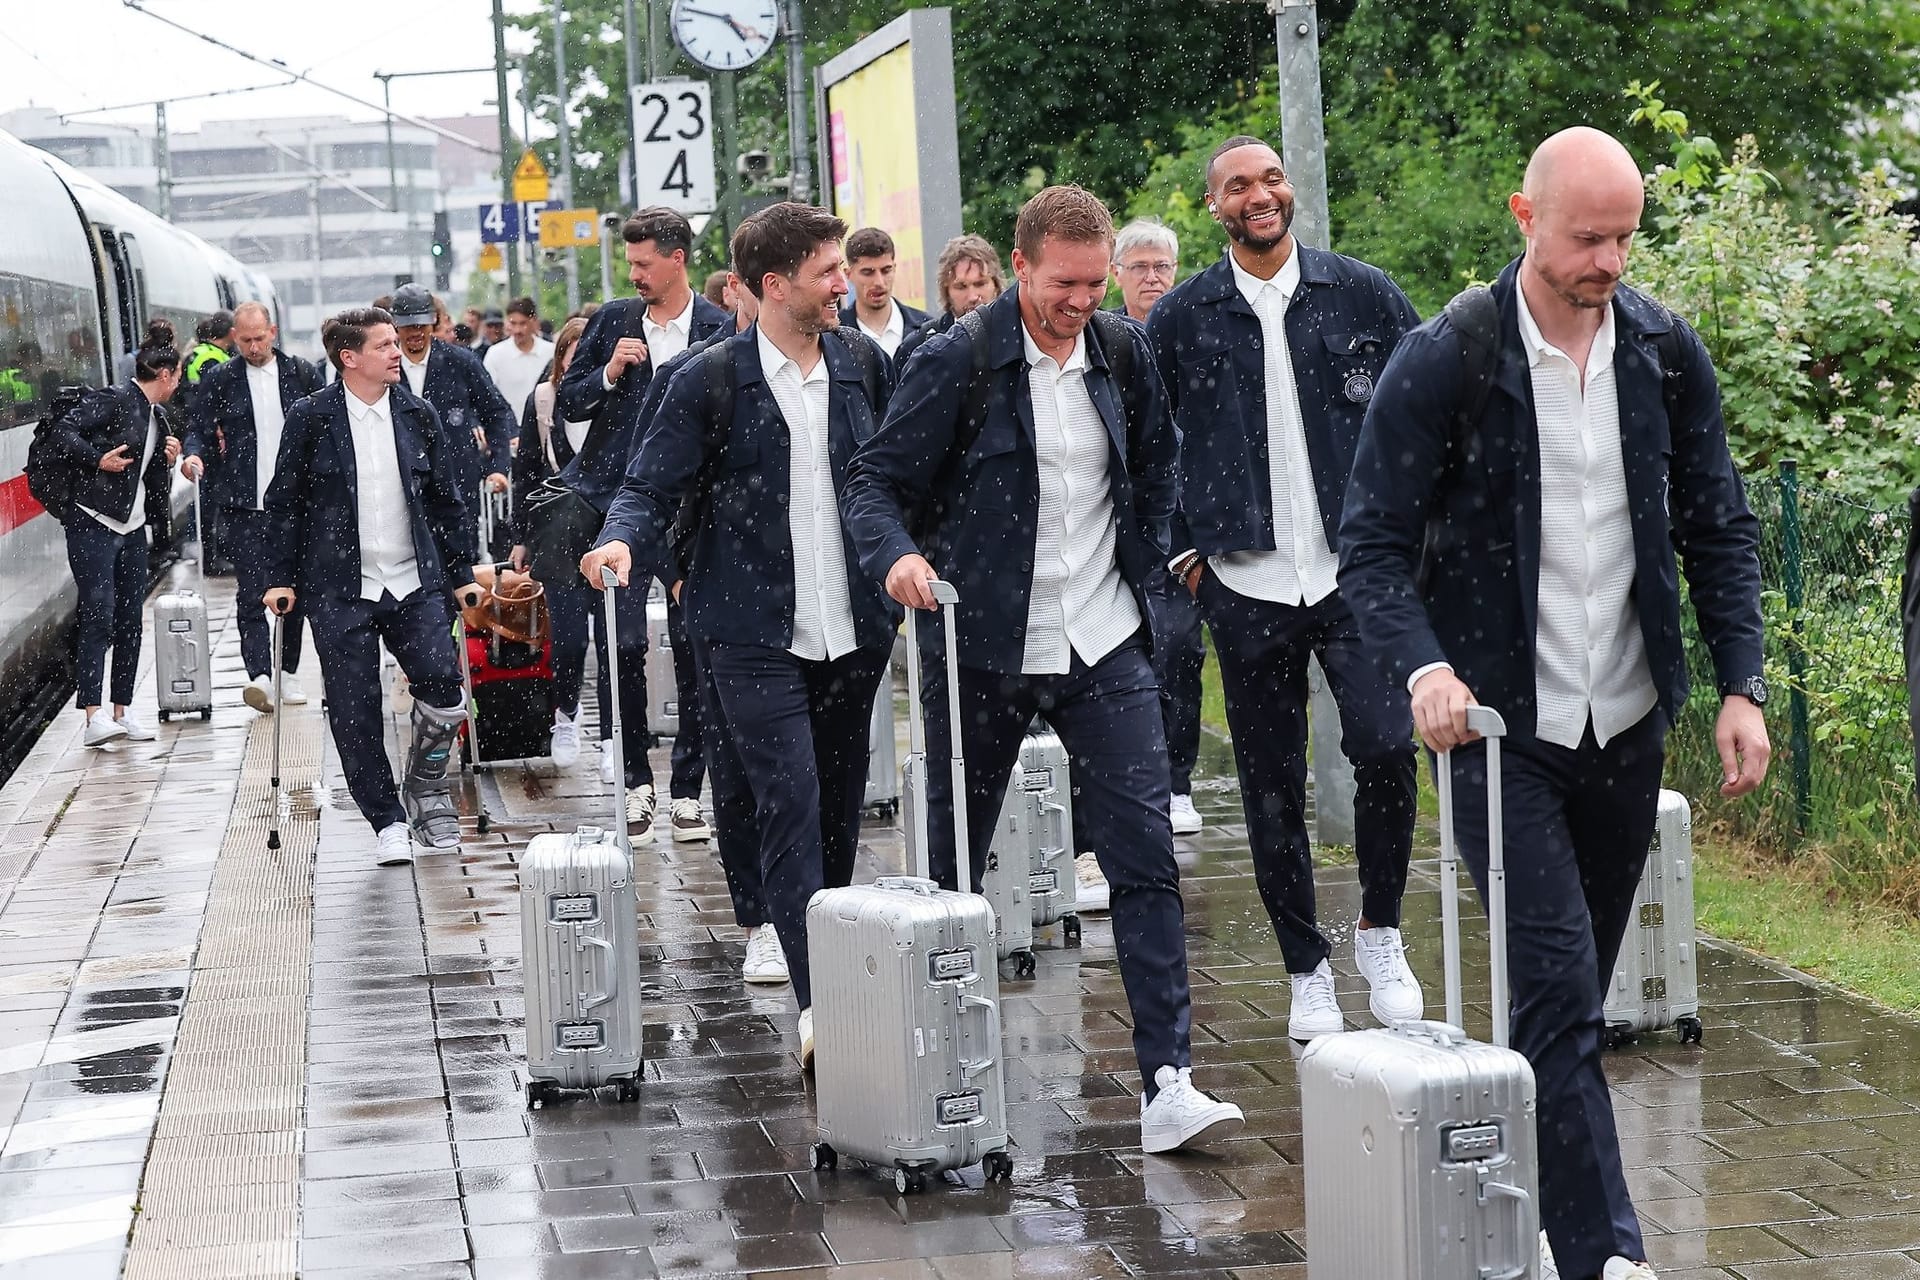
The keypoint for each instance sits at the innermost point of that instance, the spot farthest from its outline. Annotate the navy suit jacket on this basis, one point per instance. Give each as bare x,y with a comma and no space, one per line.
120,415
222,409
464,397
583,394
912,319
1341,326
314,501
918,338
1440,543
739,583
979,483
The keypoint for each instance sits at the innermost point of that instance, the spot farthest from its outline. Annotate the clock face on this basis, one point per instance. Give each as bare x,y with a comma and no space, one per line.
726,35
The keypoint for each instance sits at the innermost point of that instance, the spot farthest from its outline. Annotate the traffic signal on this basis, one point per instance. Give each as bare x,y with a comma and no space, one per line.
442,252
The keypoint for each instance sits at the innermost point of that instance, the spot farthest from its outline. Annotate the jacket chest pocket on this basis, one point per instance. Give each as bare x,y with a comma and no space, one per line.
991,468
1354,362
1206,376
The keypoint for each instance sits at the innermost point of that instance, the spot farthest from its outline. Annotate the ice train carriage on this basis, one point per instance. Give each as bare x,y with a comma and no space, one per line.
82,270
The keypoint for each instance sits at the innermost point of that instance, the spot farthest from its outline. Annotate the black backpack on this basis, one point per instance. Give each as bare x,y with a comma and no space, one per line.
52,477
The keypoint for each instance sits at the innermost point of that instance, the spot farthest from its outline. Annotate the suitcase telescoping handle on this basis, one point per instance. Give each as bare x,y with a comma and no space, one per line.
1486,722
200,529
610,583
943,593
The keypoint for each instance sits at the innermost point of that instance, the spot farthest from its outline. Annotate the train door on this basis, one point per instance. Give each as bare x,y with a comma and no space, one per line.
135,270
116,299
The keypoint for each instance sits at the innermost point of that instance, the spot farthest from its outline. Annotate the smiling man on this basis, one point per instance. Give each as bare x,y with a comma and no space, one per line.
1034,436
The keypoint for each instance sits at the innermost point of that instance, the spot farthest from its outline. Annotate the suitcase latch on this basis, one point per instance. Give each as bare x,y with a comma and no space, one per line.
1043,882
1653,988
1471,1143
573,908
959,1108
1036,780
951,966
1652,915
581,1035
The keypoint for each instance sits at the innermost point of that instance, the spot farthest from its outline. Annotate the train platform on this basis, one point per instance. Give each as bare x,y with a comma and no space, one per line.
218,1059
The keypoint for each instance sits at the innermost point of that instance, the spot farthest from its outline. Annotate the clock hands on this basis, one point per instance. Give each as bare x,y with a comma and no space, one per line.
748,34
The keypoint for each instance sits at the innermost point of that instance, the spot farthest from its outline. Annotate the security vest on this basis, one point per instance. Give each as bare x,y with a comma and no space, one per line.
205,355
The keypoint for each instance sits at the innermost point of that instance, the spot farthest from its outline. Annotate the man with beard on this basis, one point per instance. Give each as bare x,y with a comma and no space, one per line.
872,306
795,638
970,277
1535,457
1033,439
1270,356
474,417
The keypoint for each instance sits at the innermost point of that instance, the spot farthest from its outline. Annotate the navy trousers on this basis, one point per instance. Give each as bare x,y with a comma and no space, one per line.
1179,657
689,755
1578,826
576,609
1108,719
734,830
801,730
249,544
110,570
347,635
1263,650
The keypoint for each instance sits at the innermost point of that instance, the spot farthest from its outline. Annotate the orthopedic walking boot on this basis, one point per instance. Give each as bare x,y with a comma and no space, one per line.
425,791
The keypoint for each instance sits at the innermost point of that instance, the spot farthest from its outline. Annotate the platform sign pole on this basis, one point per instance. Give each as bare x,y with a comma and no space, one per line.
506,132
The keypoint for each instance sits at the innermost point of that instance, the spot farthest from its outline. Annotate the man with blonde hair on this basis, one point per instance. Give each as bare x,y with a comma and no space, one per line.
970,277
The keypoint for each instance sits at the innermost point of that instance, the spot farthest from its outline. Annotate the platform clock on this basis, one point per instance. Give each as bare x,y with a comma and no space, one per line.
726,35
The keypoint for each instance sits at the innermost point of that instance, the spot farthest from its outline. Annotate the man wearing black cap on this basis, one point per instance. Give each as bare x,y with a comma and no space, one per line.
493,332
474,417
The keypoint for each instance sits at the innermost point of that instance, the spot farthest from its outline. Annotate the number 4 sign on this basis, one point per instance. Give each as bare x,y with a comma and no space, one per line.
673,145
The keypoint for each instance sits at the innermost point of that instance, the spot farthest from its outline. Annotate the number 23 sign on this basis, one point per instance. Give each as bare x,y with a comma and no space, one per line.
673,145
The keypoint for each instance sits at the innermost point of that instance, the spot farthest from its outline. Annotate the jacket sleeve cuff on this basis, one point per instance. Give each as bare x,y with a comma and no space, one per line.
1419,672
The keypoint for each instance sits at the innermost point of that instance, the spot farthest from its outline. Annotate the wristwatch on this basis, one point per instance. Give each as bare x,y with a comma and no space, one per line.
1753,689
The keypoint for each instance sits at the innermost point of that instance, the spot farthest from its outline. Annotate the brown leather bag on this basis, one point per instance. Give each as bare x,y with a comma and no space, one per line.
514,609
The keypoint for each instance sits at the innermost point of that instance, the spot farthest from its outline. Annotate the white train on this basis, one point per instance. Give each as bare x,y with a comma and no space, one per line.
82,270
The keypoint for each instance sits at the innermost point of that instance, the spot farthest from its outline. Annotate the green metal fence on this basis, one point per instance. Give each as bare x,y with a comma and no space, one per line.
1843,772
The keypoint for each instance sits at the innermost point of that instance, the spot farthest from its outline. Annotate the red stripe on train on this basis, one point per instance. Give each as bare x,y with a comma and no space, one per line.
17,506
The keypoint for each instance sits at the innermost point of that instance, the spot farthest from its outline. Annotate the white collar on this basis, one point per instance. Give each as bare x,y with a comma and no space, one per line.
1286,280
896,320
773,360
362,412
1538,348
421,363
270,369
679,323
1076,359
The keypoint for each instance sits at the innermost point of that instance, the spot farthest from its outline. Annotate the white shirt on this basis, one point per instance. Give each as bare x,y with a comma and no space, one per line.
387,557
1301,569
822,605
664,341
1079,603
137,514
1590,661
269,421
889,336
416,372
516,372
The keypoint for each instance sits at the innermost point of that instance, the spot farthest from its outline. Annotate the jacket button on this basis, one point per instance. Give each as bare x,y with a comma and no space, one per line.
780,498
1026,566
1019,633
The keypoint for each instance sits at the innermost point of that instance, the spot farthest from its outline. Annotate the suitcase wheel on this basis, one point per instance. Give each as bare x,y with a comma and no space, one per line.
163,717
539,1093
629,1089
207,714
824,1156
997,1166
1616,1037
1070,930
1024,965
909,1182
1690,1030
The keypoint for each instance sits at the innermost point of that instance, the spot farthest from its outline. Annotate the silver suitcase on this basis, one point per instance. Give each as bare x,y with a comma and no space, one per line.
580,949
1655,981
1054,891
1419,1144
182,654
883,754
906,1011
1007,881
663,695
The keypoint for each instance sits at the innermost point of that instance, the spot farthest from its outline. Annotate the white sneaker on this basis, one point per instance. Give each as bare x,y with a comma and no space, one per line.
766,963
1619,1268
640,806
606,764
1180,1116
1096,895
396,846
101,730
259,693
1186,819
1549,1269
290,691
566,741
806,1039
688,823
1382,960
134,730
1315,1012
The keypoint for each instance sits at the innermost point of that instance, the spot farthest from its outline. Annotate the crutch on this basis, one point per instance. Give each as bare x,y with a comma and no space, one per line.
484,820
279,714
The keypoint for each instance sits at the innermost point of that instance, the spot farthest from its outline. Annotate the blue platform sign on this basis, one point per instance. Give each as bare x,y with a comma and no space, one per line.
510,223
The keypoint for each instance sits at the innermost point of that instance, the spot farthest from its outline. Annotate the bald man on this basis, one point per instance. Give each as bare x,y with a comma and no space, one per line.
1531,461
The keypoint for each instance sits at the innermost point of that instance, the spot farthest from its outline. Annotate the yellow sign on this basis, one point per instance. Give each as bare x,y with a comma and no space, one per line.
569,228
876,173
529,178
490,258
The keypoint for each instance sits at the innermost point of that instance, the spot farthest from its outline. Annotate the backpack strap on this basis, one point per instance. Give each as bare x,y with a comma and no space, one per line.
1476,318
872,361
1116,343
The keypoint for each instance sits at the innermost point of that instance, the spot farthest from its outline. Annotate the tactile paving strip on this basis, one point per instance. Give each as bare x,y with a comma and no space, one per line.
221,1194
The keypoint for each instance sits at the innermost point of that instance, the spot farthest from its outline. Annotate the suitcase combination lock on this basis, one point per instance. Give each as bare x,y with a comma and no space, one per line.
1470,1144
1036,780
951,966
573,908
959,1108
580,1035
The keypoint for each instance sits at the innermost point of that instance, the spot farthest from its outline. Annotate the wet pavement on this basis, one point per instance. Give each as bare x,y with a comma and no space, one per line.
214,1063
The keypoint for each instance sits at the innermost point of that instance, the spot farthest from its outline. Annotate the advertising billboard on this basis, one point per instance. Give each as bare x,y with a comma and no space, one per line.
890,143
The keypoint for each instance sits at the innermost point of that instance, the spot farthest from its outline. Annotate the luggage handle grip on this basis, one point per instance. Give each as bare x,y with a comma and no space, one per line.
1521,1199
992,1009
605,994
1054,816
1489,724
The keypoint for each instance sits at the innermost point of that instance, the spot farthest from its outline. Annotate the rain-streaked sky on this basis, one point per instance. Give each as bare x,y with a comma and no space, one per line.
76,54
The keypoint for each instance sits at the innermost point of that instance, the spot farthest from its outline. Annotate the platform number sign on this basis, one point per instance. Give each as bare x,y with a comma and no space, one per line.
673,145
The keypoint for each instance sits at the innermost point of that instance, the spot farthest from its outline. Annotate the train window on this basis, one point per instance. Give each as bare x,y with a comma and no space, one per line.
48,339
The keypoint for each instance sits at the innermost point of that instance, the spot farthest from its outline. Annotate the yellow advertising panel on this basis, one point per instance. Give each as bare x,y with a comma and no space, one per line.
876,165
569,228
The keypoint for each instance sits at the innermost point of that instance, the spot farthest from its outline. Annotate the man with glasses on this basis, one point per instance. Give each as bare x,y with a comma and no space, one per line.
1146,257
